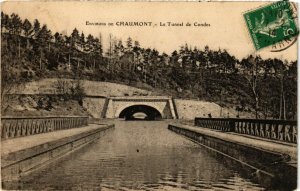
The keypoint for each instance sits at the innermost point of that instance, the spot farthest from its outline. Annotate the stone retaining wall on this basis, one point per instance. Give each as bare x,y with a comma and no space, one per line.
16,164
272,166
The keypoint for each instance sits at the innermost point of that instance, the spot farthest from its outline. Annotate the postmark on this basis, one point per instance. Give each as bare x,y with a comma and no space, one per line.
273,26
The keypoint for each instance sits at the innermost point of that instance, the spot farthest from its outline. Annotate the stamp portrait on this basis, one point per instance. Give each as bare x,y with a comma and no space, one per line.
271,24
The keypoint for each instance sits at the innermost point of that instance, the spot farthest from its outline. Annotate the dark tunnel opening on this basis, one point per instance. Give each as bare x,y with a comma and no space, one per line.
149,112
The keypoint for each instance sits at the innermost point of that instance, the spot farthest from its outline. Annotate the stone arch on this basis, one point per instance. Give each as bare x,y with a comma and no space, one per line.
118,108
151,112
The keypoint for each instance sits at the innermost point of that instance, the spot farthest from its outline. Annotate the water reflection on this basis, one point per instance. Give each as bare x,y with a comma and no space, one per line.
138,155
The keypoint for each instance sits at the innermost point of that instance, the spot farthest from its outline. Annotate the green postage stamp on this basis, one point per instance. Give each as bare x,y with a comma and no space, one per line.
271,24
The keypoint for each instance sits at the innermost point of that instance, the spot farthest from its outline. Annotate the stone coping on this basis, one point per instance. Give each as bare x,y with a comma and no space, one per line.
43,117
268,146
17,149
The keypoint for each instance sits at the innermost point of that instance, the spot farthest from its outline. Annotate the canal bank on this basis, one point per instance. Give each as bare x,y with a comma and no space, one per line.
275,161
20,156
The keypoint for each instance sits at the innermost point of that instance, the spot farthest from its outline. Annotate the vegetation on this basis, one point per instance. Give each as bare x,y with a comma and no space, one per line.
31,51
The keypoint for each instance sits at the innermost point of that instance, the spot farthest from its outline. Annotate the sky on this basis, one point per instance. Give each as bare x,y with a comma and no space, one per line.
227,28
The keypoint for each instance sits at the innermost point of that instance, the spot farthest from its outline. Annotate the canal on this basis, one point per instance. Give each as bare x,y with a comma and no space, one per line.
140,155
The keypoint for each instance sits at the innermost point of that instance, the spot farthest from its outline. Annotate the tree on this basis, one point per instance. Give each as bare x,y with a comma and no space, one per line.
82,40
5,25
228,61
129,43
75,38
68,44
43,38
11,80
207,56
59,40
97,50
77,91
290,84
36,27
251,74
4,21
27,28
90,42
100,45
15,24
136,44
282,75
110,52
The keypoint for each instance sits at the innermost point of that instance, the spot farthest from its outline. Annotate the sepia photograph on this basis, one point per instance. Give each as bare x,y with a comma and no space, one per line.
142,96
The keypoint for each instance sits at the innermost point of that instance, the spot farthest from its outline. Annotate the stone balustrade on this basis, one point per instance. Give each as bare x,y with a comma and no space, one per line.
281,130
12,127
221,124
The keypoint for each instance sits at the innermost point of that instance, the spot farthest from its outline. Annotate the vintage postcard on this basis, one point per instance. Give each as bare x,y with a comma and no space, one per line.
99,95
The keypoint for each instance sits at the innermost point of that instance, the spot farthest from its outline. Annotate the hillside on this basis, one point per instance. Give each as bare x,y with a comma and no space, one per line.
44,98
31,52
90,88
42,105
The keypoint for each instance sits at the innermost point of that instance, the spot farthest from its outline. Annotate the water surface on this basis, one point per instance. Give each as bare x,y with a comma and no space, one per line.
139,155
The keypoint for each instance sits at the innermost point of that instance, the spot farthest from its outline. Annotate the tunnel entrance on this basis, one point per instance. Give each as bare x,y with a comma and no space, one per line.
140,112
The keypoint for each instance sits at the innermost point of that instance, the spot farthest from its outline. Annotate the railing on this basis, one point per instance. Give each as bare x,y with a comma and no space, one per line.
12,127
221,124
281,130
